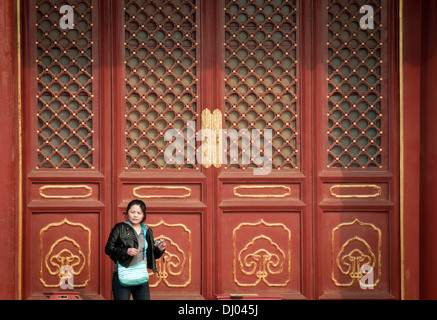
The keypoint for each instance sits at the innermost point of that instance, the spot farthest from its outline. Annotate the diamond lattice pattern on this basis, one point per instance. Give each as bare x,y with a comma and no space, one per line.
65,98
161,82
261,69
355,98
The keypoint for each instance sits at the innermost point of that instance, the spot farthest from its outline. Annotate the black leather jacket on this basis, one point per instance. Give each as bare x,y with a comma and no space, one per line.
123,237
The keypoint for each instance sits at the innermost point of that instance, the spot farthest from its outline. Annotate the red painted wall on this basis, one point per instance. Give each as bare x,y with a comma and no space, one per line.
428,170
8,158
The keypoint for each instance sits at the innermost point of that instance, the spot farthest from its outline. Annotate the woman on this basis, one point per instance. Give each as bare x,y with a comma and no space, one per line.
125,247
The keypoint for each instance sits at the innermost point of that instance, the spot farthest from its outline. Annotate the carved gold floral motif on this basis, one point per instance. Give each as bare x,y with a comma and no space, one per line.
176,264
64,252
261,257
363,250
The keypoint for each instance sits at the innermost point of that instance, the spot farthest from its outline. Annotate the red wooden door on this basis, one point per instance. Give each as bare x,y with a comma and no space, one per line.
356,221
262,136
318,75
264,199
67,170
156,94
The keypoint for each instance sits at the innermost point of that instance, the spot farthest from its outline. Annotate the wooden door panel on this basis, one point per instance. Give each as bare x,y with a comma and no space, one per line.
352,192
65,239
66,174
157,105
351,242
178,271
264,216
252,192
52,193
171,192
260,253
356,184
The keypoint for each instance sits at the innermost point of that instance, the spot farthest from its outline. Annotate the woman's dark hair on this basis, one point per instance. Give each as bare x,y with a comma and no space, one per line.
137,203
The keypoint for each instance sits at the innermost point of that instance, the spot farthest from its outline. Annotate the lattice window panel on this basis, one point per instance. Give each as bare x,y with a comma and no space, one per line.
261,72
161,80
355,99
65,87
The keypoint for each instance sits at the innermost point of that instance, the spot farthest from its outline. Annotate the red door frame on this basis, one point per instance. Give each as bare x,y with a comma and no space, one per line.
410,110
428,173
211,98
10,269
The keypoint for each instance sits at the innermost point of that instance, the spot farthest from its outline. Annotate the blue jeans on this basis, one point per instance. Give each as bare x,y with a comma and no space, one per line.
141,292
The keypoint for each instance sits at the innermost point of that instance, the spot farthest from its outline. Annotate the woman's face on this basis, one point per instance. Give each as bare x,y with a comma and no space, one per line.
135,215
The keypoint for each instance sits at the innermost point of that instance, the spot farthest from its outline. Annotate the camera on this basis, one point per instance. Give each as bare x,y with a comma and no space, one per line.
158,243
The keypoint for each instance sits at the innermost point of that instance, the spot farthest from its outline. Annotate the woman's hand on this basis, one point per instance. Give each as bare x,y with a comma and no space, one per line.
132,252
162,245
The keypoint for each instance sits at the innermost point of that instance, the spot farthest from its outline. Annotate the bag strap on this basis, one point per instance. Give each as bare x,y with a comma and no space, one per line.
145,240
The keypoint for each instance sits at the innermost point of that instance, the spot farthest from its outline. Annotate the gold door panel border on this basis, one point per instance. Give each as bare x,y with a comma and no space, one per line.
136,190
284,195
350,263
172,264
261,263
66,187
51,259
377,194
